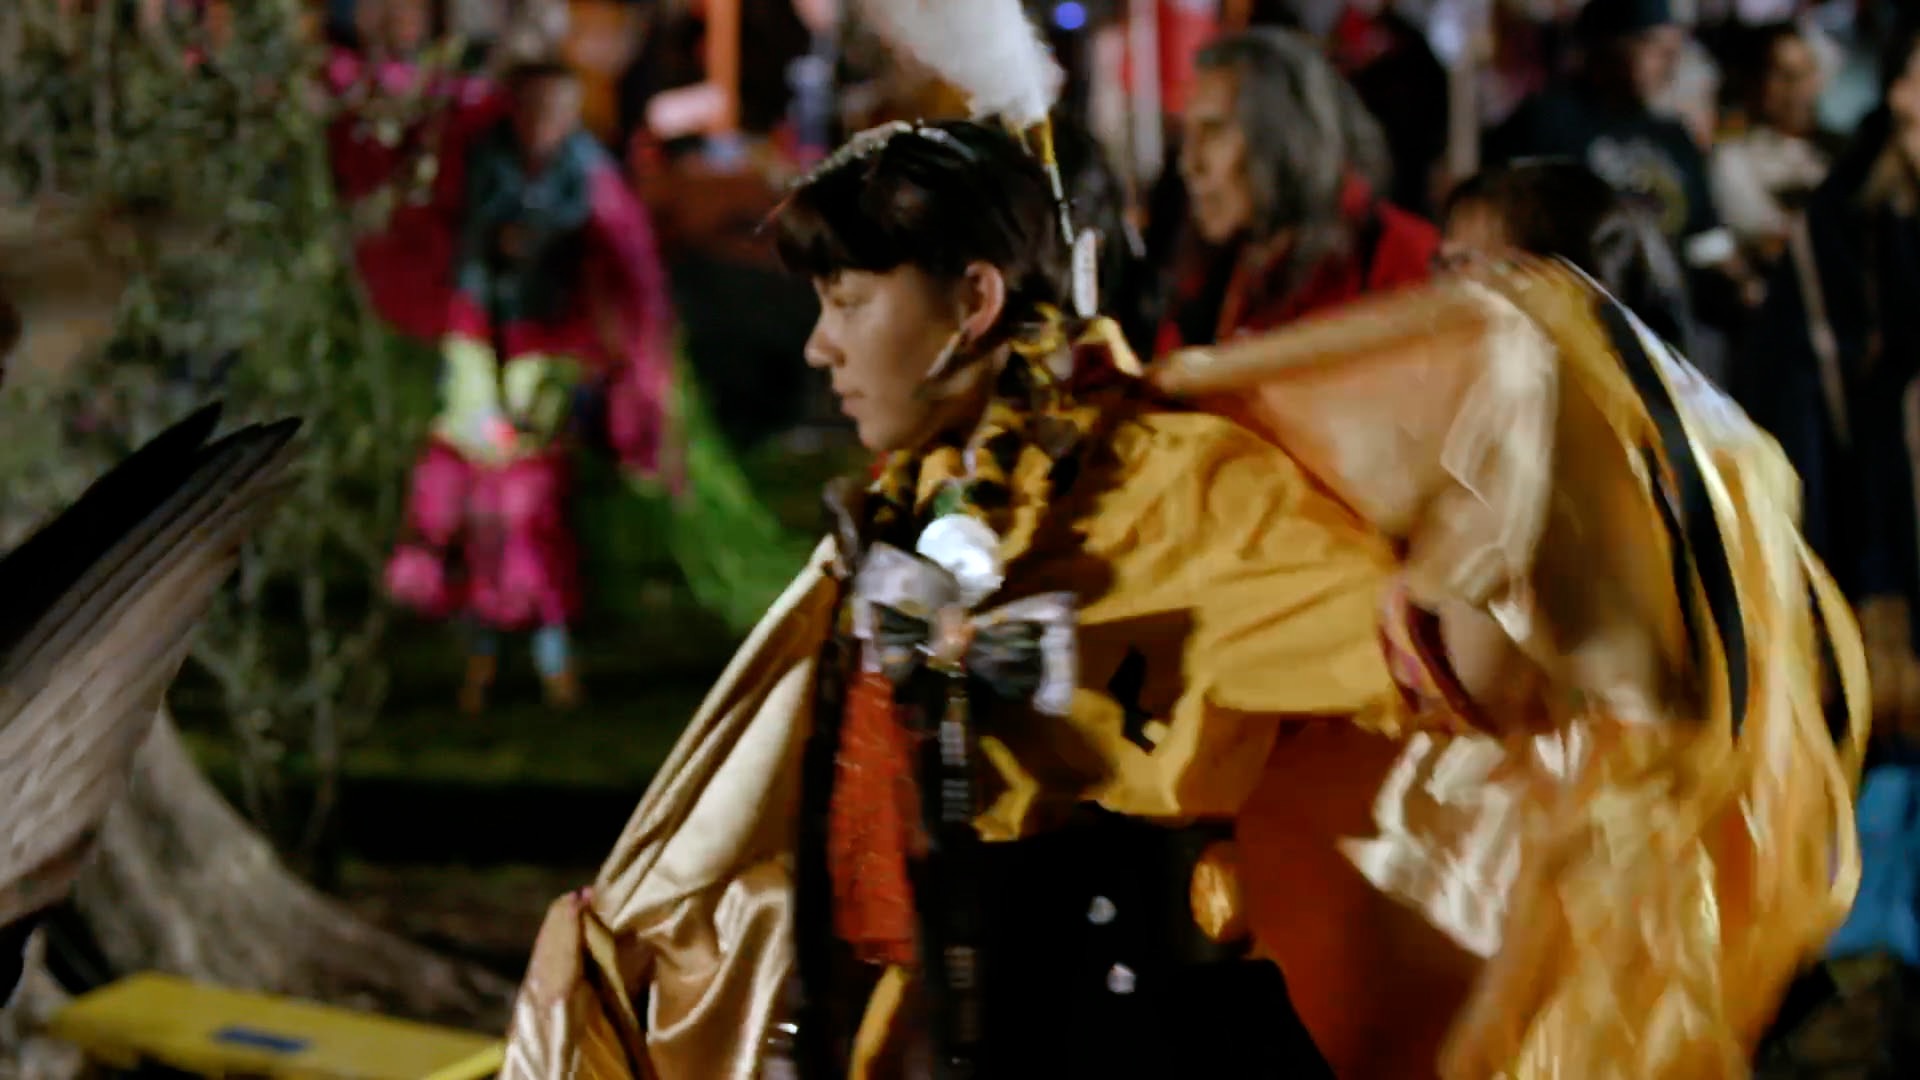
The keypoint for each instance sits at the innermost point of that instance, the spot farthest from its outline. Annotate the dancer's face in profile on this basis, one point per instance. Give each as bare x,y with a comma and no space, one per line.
880,334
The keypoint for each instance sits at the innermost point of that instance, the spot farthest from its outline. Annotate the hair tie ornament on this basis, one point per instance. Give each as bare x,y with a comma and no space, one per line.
965,547
943,363
1039,139
1086,273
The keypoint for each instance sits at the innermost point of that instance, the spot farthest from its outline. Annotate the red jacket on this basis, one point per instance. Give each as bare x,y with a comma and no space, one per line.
1390,248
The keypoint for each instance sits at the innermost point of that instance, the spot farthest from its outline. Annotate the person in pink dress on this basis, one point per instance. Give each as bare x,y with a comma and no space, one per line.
402,125
557,335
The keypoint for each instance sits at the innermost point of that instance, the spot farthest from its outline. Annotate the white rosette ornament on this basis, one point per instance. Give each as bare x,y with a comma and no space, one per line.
967,548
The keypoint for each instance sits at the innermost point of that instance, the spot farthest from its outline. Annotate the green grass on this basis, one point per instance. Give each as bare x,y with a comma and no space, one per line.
617,739
644,676
648,653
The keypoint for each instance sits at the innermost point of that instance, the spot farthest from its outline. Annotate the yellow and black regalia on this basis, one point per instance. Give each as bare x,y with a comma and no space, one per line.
1196,765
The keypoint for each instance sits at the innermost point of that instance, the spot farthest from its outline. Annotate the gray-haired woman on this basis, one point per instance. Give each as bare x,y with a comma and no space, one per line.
1282,164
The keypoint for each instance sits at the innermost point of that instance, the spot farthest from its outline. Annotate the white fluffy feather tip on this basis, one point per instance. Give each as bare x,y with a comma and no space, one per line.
987,49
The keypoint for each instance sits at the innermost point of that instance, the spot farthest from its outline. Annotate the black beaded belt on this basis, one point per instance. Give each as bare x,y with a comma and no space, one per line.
1092,907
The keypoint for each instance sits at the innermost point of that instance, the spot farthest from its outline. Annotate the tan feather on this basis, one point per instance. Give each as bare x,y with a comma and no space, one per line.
99,607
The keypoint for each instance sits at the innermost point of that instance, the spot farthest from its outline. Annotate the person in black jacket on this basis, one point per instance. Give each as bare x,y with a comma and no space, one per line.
1561,207
1837,352
1602,116
1387,59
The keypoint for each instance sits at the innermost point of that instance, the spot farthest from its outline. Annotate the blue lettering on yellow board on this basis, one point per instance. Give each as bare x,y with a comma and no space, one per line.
256,1039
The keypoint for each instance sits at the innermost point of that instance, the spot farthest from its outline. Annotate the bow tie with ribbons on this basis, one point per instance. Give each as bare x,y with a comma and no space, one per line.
914,614
910,612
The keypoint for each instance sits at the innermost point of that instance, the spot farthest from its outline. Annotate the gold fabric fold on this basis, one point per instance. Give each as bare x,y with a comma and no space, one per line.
694,902
1222,593
1641,883
1684,873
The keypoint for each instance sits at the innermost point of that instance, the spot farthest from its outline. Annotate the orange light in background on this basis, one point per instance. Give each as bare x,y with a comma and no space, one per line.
723,61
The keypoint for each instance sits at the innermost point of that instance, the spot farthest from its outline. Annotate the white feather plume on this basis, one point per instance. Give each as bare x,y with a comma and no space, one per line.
987,49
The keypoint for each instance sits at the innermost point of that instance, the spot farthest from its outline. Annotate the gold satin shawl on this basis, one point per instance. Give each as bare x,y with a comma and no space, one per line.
694,903
1223,594
1667,898
1642,883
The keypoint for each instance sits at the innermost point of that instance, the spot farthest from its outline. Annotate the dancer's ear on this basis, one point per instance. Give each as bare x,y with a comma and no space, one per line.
982,298
979,298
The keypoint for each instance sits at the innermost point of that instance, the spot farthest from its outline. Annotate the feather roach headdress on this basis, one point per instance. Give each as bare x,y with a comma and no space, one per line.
990,51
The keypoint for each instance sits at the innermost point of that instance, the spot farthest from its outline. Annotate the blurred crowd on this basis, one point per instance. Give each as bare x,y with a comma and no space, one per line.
1713,124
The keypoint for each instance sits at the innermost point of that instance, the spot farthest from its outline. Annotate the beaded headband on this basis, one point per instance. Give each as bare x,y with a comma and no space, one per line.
875,139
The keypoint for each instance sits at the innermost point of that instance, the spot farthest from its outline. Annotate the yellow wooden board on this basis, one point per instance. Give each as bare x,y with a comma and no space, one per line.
211,1031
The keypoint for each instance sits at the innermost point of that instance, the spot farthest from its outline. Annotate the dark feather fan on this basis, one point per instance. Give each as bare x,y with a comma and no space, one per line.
96,614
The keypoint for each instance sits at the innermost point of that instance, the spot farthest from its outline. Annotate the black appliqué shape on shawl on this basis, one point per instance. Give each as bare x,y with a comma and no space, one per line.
1128,682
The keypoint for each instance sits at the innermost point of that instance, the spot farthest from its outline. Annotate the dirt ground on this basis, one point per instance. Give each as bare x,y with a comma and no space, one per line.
1852,1019
487,915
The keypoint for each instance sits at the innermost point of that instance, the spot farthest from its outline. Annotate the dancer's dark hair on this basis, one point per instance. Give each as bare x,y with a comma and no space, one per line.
938,197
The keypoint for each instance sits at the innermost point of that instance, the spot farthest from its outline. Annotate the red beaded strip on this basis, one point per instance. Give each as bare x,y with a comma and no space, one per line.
874,826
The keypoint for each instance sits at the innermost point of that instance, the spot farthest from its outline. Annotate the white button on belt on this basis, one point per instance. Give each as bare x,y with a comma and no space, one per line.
1120,979
1101,911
